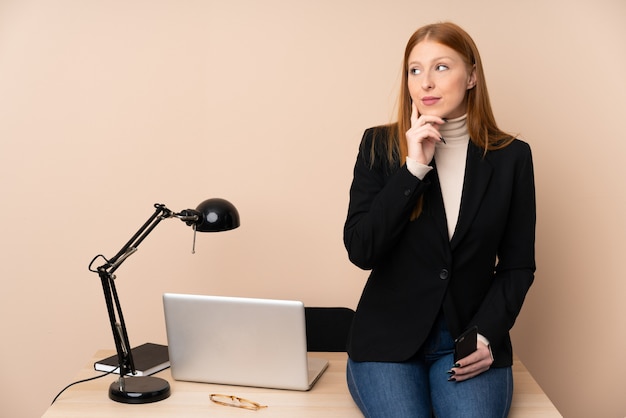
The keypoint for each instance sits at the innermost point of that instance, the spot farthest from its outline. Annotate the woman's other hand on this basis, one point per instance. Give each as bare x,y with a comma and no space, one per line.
476,363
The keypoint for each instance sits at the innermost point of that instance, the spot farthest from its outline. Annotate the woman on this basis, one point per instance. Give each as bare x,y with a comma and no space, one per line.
442,211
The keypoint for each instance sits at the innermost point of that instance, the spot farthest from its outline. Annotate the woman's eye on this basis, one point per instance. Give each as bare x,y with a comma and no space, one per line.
441,67
415,71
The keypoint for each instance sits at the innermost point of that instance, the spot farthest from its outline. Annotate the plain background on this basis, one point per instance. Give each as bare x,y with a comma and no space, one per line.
110,106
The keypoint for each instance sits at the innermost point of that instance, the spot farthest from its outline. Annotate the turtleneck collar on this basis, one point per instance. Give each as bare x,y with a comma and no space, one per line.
455,130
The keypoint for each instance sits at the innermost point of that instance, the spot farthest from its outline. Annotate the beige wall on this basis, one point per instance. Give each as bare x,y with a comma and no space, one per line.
107,107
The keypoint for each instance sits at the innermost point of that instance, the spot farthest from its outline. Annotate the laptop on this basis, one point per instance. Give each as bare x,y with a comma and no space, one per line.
239,341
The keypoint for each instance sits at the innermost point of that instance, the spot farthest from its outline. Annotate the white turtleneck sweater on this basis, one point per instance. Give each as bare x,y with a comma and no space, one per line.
450,159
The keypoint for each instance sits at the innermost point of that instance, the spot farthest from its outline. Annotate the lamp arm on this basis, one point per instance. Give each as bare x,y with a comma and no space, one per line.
118,326
161,212
116,317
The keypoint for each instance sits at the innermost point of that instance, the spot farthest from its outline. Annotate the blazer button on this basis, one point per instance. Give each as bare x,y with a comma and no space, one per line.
443,274
407,192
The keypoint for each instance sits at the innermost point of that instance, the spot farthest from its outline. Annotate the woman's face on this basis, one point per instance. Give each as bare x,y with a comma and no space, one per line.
438,80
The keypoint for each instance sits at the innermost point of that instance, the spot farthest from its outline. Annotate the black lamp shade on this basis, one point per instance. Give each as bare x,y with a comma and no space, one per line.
217,215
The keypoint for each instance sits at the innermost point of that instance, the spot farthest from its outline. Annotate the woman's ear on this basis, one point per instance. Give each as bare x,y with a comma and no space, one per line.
471,81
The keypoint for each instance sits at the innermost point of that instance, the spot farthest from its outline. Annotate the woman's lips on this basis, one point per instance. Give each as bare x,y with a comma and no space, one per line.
429,100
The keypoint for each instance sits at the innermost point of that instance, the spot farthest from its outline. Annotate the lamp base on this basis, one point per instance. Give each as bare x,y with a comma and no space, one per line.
139,389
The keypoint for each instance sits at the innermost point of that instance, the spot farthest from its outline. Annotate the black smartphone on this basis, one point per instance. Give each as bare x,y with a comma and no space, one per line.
465,344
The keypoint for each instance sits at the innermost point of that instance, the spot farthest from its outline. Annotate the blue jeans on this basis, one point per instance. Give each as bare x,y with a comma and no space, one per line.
420,387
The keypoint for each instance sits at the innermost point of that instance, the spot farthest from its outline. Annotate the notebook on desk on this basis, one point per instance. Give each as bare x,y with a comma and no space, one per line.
239,341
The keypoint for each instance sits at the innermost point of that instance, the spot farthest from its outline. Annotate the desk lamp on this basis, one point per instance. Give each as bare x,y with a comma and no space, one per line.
212,215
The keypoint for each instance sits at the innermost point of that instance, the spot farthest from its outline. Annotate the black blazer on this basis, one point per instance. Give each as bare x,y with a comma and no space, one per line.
479,277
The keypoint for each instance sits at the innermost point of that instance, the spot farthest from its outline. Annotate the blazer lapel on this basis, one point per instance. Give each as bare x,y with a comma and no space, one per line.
478,173
435,204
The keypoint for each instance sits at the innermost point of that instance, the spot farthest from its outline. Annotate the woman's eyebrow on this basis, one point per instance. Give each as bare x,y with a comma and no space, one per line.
443,57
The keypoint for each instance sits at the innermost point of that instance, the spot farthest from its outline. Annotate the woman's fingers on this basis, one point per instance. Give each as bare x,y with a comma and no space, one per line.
414,115
476,363
422,136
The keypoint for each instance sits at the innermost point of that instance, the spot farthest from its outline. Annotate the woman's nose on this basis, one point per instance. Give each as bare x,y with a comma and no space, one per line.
427,82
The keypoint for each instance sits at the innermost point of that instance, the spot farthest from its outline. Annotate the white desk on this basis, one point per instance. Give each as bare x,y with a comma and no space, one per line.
328,398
